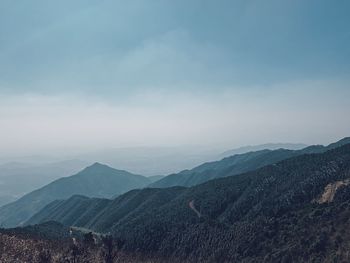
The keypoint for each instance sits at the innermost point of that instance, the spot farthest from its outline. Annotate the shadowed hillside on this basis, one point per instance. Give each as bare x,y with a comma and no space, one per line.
237,164
96,180
270,214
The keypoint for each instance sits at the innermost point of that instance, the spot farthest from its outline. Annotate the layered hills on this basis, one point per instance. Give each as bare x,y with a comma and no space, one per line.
97,180
275,213
237,164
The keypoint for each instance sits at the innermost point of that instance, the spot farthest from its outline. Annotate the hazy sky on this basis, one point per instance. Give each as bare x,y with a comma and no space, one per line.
94,74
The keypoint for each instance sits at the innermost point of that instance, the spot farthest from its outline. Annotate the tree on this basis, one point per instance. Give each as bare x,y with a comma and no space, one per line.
89,239
75,252
44,256
108,254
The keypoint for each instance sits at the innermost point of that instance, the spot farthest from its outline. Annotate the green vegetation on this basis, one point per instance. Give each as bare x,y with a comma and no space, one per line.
267,215
237,164
94,181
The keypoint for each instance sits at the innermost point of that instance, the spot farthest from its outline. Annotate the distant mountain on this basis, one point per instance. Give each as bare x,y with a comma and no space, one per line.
296,210
151,161
5,199
101,214
18,178
96,180
237,164
266,146
155,178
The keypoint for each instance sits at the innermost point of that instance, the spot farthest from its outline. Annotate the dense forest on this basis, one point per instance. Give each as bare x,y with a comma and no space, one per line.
296,210
28,247
96,180
237,164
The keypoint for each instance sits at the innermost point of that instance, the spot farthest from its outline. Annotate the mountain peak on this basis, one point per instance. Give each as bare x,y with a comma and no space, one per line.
99,166
339,143
96,180
96,168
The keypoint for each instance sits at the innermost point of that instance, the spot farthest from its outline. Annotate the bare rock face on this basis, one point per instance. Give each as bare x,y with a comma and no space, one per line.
330,190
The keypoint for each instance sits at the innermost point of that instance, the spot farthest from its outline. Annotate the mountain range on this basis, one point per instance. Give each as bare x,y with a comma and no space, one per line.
294,210
237,164
96,180
20,178
266,146
103,181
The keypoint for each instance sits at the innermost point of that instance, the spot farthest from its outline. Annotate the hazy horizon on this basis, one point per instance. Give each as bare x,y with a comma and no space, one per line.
174,131
88,76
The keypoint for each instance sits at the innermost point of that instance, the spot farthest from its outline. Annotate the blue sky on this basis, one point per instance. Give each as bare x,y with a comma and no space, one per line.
119,73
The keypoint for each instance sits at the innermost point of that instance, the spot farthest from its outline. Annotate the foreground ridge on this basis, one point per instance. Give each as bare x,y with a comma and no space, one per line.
268,214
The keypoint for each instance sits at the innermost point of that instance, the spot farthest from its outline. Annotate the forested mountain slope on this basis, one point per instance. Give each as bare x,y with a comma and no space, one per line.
237,164
260,147
18,179
96,180
273,214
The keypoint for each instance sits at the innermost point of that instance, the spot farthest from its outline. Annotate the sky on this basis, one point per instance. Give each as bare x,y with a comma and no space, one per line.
82,75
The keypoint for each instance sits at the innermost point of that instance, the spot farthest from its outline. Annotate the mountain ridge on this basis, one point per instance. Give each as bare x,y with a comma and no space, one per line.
20,178
238,163
241,216
96,180
265,146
